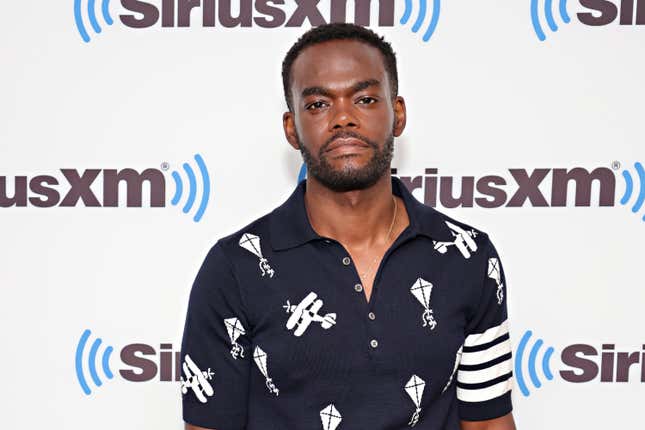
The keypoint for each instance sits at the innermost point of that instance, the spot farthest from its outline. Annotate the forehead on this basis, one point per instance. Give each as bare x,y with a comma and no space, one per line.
337,63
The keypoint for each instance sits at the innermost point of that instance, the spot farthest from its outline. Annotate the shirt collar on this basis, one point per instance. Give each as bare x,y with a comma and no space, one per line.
290,227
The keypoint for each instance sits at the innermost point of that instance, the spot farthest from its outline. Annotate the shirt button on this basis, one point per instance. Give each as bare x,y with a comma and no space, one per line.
358,288
373,343
327,241
346,261
371,316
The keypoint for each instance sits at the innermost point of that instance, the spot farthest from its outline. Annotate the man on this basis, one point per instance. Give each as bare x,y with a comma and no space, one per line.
352,305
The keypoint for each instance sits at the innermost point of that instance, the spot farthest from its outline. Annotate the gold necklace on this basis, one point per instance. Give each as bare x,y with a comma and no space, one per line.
387,240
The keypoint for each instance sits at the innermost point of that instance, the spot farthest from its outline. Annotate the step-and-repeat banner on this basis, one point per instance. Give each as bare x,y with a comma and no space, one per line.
133,134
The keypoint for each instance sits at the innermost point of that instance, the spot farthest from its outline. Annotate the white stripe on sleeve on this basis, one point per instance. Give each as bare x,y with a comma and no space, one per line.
479,357
483,394
487,336
483,375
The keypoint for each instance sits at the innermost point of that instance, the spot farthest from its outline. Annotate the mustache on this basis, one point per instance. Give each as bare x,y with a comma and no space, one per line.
346,134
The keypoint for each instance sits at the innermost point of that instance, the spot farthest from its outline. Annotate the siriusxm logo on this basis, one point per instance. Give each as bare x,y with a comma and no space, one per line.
91,9
192,188
538,188
595,13
422,17
548,8
92,361
629,189
531,363
583,363
544,187
44,191
140,362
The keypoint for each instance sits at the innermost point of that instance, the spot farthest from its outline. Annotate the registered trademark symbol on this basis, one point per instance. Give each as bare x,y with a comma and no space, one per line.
165,166
615,165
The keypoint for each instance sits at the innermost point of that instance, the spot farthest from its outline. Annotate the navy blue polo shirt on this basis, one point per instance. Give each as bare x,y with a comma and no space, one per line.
280,335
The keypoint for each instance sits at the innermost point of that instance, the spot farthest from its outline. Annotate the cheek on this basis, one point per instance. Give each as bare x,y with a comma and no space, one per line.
381,121
311,128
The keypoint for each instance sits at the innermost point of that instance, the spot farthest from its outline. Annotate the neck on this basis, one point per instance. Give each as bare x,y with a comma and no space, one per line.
358,218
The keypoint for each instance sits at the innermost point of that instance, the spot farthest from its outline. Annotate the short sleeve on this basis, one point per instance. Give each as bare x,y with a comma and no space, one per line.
215,356
485,377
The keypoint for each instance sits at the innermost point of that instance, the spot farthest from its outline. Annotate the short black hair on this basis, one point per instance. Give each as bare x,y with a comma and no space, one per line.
339,31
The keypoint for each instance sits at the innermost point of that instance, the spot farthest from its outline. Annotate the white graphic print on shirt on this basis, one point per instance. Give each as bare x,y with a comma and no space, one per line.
251,243
260,358
330,417
235,329
196,379
306,312
495,274
414,388
454,370
421,289
464,241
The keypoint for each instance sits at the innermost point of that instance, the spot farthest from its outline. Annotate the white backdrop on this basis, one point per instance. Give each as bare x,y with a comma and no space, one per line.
484,95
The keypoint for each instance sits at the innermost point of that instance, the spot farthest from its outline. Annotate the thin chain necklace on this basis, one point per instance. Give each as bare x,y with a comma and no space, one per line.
387,241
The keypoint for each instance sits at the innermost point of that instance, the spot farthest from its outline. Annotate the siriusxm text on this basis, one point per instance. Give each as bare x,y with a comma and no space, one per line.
47,191
538,187
248,13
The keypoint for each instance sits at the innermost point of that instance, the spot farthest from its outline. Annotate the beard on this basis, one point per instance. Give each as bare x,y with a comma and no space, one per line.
349,178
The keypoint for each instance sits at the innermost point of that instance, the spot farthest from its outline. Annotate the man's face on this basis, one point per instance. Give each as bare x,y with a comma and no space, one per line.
344,120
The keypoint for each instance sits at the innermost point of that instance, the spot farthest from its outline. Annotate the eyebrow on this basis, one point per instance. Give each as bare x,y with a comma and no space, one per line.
321,91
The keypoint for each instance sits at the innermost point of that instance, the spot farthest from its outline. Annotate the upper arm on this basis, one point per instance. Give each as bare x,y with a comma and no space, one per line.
485,377
215,351
505,422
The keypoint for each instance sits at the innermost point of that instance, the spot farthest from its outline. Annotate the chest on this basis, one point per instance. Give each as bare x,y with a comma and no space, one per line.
313,319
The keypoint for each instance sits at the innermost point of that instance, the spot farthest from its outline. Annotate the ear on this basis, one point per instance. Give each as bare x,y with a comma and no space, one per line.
289,126
400,116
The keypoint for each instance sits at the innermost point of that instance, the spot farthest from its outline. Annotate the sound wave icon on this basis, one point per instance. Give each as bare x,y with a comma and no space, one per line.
548,14
91,13
192,188
629,189
92,360
302,175
532,359
422,12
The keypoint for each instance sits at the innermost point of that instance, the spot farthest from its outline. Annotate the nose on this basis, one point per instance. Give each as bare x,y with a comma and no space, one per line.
343,116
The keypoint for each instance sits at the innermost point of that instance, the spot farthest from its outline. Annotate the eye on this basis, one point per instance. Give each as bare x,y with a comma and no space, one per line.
367,100
316,105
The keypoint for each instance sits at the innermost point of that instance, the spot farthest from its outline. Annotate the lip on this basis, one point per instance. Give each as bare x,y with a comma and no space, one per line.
346,143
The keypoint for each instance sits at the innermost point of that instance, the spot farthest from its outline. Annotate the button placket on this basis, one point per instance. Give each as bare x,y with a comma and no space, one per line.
366,309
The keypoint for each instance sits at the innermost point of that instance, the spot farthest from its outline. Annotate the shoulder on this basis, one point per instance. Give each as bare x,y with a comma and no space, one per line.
282,228
253,237
219,272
